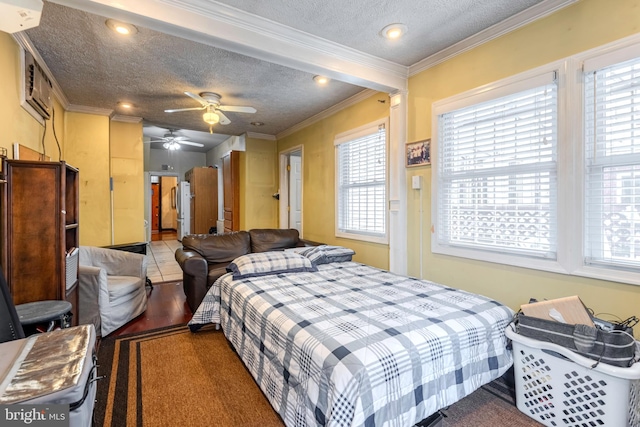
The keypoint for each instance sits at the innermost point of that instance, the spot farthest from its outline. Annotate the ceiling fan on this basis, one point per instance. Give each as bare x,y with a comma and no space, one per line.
211,102
172,142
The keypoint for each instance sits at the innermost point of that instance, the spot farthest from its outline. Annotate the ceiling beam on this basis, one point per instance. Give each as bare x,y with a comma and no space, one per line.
225,27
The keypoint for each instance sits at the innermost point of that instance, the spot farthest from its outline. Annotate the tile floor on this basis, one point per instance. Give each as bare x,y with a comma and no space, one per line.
162,265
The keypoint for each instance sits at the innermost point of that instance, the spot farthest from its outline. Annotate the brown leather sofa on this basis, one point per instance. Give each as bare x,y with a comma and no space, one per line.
205,257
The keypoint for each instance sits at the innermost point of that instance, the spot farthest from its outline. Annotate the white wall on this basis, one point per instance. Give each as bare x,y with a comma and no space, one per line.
180,161
234,143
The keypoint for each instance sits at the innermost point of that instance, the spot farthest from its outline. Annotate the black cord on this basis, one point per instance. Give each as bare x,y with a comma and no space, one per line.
53,122
44,150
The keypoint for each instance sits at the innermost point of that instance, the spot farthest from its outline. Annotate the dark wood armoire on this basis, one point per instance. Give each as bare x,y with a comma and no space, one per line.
231,185
40,228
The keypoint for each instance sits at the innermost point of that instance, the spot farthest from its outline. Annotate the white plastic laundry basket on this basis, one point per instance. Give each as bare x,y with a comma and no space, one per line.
558,387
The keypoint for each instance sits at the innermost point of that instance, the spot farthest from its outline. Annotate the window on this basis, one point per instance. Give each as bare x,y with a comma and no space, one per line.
612,165
542,170
496,176
361,183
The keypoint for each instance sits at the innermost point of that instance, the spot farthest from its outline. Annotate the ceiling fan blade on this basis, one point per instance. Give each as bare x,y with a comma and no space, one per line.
237,109
180,138
224,120
198,98
185,109
195,144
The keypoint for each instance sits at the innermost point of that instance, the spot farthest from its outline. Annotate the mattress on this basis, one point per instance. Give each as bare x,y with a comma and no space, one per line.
353,345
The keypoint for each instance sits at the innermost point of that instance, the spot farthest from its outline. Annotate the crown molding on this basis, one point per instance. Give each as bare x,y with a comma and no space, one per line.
74,108
540,10
125,119
360,96
225,27
257,135
25,42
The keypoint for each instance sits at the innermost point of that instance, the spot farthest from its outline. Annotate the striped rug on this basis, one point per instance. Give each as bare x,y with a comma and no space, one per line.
172,377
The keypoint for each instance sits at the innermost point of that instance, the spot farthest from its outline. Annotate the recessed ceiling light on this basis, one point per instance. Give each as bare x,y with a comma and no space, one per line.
126,105
321,80
393,31
257,123
121,27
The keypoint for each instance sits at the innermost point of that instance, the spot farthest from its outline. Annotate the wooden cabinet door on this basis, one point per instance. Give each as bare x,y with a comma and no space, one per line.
231,185
204,198
34,225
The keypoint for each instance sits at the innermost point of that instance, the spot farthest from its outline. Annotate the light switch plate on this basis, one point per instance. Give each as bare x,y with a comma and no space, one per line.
416,182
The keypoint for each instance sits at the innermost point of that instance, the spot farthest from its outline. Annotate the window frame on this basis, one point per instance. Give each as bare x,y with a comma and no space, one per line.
594,59
346,137
496,90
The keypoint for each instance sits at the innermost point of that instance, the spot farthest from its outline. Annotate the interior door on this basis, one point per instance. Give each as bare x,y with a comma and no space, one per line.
295,192
155,207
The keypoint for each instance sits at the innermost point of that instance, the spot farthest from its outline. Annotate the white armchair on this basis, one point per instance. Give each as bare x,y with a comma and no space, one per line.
112,287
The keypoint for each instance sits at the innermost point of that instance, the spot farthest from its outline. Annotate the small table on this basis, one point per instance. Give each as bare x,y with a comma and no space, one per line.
32,313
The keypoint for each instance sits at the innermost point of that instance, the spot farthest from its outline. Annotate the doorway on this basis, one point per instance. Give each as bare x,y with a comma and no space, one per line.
160,193
291,206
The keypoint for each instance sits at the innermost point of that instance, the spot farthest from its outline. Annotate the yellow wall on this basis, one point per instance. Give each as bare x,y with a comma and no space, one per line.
318,168
101,149
258,181
584,25
87,148
127,171
17,125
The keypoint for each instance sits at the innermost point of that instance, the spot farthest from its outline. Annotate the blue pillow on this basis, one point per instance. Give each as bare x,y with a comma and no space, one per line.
325,254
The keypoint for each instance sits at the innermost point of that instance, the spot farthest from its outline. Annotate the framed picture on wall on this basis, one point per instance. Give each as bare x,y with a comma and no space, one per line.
418,153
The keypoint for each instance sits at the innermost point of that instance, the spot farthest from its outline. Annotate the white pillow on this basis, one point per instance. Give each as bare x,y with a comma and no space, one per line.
265,263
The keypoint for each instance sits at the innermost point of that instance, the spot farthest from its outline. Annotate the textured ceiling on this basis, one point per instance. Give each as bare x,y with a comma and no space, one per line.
432,24
97,68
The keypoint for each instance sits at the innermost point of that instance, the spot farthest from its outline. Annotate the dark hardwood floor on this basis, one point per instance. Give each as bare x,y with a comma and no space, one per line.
166,306
163,235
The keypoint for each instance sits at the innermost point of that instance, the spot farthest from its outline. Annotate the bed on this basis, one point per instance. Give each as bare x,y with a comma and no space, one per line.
346,344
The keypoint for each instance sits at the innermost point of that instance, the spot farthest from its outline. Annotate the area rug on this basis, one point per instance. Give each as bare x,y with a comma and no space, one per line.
170,376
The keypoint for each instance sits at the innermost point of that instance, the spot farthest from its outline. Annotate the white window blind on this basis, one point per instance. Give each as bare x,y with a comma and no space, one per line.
612,168
361,184
497,179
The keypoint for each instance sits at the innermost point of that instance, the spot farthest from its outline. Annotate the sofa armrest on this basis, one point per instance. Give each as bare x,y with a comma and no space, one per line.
304,242
191,262
194,276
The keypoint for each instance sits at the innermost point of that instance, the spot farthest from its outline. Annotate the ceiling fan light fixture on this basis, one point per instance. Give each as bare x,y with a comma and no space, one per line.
172,145
393,31
121,27
211,118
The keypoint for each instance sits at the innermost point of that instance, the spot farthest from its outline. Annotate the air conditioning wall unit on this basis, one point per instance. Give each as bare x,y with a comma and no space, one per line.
19,15
38,87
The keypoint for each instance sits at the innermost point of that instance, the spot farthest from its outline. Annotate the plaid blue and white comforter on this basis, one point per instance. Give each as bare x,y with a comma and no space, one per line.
352,345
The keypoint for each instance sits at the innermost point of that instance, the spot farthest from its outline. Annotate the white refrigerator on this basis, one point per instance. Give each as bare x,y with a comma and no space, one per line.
183,208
